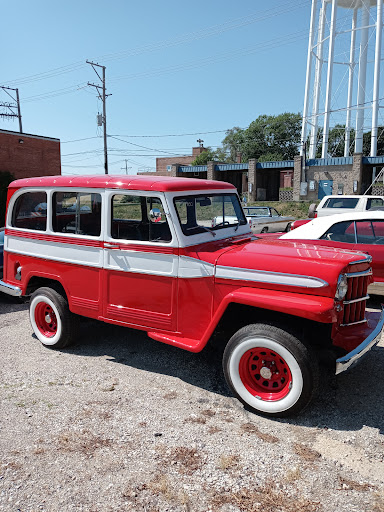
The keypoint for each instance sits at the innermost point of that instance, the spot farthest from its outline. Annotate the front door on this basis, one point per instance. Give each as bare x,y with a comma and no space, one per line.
140,263
325,188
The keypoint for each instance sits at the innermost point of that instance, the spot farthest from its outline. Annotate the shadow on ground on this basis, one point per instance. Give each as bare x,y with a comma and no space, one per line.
346,403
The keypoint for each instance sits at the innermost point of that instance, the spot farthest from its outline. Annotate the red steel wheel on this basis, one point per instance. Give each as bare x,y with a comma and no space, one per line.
265,374
45,319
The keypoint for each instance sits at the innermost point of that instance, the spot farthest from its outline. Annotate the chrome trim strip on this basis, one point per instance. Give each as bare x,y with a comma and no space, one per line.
345,362
359,274
367,259
354,323
264,276
9,289
355,300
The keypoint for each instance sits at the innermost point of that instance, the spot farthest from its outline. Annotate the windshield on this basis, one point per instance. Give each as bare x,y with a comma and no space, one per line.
257,212
199,213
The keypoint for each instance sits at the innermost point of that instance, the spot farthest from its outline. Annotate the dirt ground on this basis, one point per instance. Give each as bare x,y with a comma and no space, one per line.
119,422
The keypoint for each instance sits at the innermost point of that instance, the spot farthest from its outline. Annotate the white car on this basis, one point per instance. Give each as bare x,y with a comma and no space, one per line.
360,231
265,219
331,205
261,219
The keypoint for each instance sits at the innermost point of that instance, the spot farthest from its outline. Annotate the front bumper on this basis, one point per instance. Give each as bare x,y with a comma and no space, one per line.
9,289
350,359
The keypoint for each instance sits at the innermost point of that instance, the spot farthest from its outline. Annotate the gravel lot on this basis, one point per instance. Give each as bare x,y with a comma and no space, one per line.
119,422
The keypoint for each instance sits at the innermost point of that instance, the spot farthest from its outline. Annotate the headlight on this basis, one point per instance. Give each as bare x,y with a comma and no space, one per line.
342,287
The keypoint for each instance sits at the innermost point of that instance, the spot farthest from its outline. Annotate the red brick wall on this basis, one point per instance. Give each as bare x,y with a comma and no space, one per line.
163,162
34,156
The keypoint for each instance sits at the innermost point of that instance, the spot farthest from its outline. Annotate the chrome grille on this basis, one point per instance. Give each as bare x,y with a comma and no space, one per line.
356,298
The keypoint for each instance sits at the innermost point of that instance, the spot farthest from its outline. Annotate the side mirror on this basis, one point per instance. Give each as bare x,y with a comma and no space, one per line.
155,215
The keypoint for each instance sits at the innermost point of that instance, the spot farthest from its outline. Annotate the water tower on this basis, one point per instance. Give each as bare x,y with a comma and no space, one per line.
343,75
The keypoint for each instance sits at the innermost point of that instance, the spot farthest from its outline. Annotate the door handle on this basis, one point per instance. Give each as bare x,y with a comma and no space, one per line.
107,245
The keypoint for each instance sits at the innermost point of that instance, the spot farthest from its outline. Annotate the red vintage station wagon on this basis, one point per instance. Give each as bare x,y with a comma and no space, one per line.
145,252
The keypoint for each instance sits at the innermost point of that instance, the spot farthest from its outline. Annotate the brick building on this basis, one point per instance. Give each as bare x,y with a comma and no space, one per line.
25,155
164,164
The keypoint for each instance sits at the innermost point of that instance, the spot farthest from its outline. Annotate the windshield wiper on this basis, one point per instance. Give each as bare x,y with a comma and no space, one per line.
209,230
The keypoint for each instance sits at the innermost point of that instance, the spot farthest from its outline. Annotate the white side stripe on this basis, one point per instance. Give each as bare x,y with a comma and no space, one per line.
262,276
56,251
192,267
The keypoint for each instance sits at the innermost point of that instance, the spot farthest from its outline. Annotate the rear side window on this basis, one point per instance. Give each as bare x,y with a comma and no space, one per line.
30,211
341,202
78,213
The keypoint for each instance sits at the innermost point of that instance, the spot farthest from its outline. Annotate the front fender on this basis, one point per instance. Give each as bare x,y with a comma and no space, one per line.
310,307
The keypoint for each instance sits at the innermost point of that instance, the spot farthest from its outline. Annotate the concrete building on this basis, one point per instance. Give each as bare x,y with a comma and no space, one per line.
289,179
25,155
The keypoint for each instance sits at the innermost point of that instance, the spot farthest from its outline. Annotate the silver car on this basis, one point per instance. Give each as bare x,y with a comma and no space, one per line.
265,219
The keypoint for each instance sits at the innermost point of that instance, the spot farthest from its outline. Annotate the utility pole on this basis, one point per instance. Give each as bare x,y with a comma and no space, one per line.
12,106
103,97
126,168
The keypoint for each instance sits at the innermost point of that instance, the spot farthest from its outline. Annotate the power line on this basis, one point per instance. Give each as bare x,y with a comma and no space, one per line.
214,30
221,57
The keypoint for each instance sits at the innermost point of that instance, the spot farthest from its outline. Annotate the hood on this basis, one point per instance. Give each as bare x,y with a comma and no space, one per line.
287,264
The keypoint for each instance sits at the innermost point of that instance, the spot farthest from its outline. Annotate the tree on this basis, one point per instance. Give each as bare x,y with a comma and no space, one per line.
204,157
336,141
380,142
5,180
268,136
231,145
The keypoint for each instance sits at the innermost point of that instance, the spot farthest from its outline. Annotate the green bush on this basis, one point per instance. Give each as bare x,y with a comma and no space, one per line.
5,180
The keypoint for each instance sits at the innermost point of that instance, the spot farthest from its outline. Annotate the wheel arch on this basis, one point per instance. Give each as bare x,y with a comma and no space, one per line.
310,317
237,315
35,282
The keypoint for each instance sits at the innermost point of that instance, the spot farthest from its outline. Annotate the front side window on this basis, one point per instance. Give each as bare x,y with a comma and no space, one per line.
201,213
78,213
139,218
30,211
375,202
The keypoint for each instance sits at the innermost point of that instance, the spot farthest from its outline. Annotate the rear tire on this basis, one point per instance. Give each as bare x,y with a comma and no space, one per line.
52,322
270,371
264,230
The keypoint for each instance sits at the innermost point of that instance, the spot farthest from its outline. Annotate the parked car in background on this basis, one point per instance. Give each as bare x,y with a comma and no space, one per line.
265,219
330,205
361,231
261,219
1,250
297,223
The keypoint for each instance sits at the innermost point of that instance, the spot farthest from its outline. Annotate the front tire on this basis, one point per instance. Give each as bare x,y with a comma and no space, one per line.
269,370
52,322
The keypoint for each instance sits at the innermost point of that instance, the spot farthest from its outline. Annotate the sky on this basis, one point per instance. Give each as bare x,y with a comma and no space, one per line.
175,71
